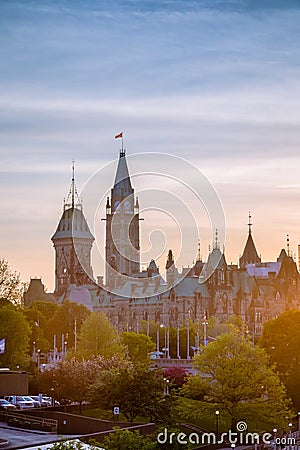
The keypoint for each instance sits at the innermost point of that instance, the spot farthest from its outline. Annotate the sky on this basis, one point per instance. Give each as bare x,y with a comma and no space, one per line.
213,82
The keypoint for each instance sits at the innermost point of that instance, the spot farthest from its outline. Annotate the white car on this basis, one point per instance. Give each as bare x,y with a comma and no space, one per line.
20,401
36,402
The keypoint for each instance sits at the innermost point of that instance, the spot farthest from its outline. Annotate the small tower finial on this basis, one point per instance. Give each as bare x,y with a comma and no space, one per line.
216,245
250,224
73,183
199,251
288,244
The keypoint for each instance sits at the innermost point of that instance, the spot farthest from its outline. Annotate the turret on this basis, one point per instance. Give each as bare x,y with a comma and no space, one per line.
72,242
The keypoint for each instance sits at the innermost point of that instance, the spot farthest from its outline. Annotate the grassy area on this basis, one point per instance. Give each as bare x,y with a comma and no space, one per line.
103,414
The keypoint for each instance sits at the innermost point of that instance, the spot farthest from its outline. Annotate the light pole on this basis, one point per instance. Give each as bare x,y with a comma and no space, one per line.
275,436
34,354
157,339
188,336
290,434
217,423
65,348
178,342
298,424
38,359
205,323
165,347
166,390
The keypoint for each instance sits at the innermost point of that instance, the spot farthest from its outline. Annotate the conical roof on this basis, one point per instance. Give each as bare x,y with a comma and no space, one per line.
122,184
72,225
250,255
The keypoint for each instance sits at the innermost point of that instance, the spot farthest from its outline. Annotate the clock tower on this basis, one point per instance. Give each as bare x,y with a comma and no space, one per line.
122,227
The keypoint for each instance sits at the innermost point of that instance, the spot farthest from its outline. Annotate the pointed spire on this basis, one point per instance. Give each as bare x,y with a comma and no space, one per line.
73,199
122,184
250,224
250,254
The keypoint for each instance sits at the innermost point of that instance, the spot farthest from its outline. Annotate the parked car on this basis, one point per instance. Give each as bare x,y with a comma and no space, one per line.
36,402
20,401
6,406
43,403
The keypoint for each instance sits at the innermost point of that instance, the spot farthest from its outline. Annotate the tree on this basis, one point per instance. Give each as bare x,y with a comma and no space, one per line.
127,440
177,376
66,318
137,390
15,329
281,340
98,337
70,380
11,287
138,346
195,388
240,379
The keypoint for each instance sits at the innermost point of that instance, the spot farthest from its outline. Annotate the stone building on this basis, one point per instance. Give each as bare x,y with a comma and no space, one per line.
254,290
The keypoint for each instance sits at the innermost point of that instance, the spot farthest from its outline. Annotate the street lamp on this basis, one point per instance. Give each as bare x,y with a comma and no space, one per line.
178,341
298,424
34,354
188,336
217,423
275,437
38,359
166,390
165,349
290,434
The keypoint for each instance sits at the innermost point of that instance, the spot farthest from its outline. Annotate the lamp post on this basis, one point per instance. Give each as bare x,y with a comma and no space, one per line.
38,359
298,424
157,339
290,434
34,354
188,336
275,436
165,349
217,423
166,389
65,348
178,342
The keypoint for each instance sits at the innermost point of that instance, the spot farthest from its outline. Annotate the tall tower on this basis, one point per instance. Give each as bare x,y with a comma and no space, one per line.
122,227
72,242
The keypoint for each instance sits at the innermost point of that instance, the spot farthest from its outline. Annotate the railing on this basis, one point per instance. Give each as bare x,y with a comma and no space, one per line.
29,422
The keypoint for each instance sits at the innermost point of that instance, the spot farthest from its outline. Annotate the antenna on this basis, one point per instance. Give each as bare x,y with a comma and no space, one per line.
288,244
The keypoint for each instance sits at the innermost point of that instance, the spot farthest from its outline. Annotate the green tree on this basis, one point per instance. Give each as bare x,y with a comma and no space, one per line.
137,390
15,329
98,337
127,440
240,379
281,340
196,387
138,346
11,287
68,317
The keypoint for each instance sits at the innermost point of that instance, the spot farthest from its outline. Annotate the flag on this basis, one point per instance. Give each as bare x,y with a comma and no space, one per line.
120,135
2,345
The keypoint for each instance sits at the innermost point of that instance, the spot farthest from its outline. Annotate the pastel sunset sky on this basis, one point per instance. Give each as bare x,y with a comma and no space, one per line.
215,82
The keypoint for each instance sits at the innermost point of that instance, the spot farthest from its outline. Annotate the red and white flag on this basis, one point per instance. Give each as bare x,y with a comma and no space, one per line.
120,135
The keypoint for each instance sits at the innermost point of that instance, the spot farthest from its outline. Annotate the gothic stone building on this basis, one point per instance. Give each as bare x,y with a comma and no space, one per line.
254,290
